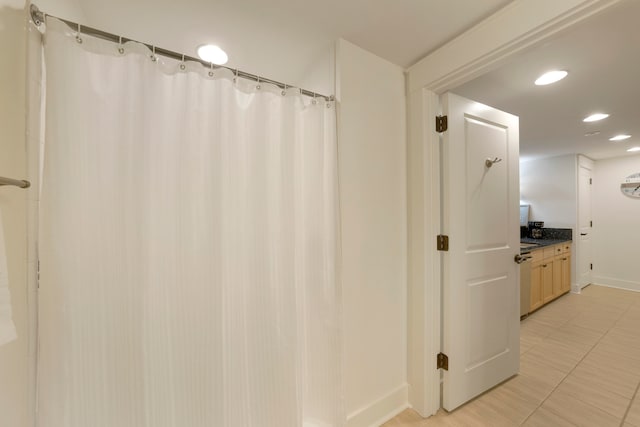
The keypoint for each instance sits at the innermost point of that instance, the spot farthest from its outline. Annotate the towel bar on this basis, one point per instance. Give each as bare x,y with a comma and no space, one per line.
17,182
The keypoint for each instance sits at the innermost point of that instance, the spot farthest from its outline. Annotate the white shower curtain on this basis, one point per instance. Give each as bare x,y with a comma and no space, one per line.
188,246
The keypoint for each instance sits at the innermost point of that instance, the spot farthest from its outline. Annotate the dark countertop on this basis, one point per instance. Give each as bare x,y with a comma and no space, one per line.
541,243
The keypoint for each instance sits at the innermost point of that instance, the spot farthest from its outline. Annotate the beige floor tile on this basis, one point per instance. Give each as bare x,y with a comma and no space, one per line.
590,392
613,357
545,418
533,367
579,366
442,419
480,415
529,388
508,404
595,322
610,378
629,327
526,346
633,417
578,412
408,418
623,337
576,333
554,319
632,352
531,328
557,354
610,294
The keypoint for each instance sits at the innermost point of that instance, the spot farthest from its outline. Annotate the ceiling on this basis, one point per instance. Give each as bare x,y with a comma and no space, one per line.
280,39
602,56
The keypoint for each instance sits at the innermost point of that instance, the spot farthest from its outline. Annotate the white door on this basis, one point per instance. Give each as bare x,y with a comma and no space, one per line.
481,290
584,222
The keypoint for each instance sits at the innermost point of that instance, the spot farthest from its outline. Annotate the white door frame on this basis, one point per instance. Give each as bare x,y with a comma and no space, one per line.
518,26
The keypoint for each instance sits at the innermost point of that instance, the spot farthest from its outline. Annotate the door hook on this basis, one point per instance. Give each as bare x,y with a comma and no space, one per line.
489,162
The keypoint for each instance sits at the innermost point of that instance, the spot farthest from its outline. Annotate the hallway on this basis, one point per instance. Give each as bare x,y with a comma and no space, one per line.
579,366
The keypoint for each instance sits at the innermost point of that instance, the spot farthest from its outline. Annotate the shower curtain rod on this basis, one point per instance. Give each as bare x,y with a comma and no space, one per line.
39,17
16,182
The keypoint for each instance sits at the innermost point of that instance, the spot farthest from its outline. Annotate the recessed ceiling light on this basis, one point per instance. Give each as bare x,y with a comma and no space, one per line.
633,149
595,117
212,53
551,77
620,137
595,132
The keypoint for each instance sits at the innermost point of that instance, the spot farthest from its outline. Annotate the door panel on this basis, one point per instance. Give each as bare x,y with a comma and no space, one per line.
584,225
481,293
487,195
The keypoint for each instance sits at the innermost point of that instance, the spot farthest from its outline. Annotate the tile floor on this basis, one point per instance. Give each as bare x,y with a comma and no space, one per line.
579,366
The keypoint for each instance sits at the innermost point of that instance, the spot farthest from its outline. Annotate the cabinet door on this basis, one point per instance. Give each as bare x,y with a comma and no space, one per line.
547,280
566,273
558,270
536,286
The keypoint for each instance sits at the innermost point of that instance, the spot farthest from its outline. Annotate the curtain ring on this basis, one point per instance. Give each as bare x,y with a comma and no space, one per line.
235,79
314,102
211,69
182,66
120,48
284,92
78,38
153,54
258,85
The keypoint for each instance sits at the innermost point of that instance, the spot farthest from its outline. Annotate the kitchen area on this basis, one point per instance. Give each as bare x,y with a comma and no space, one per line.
545,263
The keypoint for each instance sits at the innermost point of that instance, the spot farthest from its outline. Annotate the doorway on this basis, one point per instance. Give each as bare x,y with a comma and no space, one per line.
461,60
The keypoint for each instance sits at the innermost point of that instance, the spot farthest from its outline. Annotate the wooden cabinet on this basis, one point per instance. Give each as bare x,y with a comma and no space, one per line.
550,274
536,287
566,272
557,276
547,280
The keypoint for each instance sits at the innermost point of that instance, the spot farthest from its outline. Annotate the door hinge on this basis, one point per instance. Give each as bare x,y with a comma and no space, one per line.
590,223
443,361
590,181
441,124
590,266
442,243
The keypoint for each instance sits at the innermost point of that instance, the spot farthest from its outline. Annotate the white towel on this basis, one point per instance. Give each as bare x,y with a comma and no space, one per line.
7,328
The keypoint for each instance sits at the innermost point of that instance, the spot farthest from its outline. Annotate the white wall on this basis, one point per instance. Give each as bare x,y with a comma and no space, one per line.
320,76
14,357
616,227
549,185
372,171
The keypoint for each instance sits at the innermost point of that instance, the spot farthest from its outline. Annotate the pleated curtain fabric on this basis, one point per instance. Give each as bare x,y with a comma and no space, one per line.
188,246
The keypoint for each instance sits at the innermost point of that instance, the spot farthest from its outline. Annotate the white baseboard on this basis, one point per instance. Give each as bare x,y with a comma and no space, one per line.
382,410
617,283
576,288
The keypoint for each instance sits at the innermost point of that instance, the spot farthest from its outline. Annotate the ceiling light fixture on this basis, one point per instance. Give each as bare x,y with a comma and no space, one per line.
213,54
620,137
551,77
595,117
633,149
